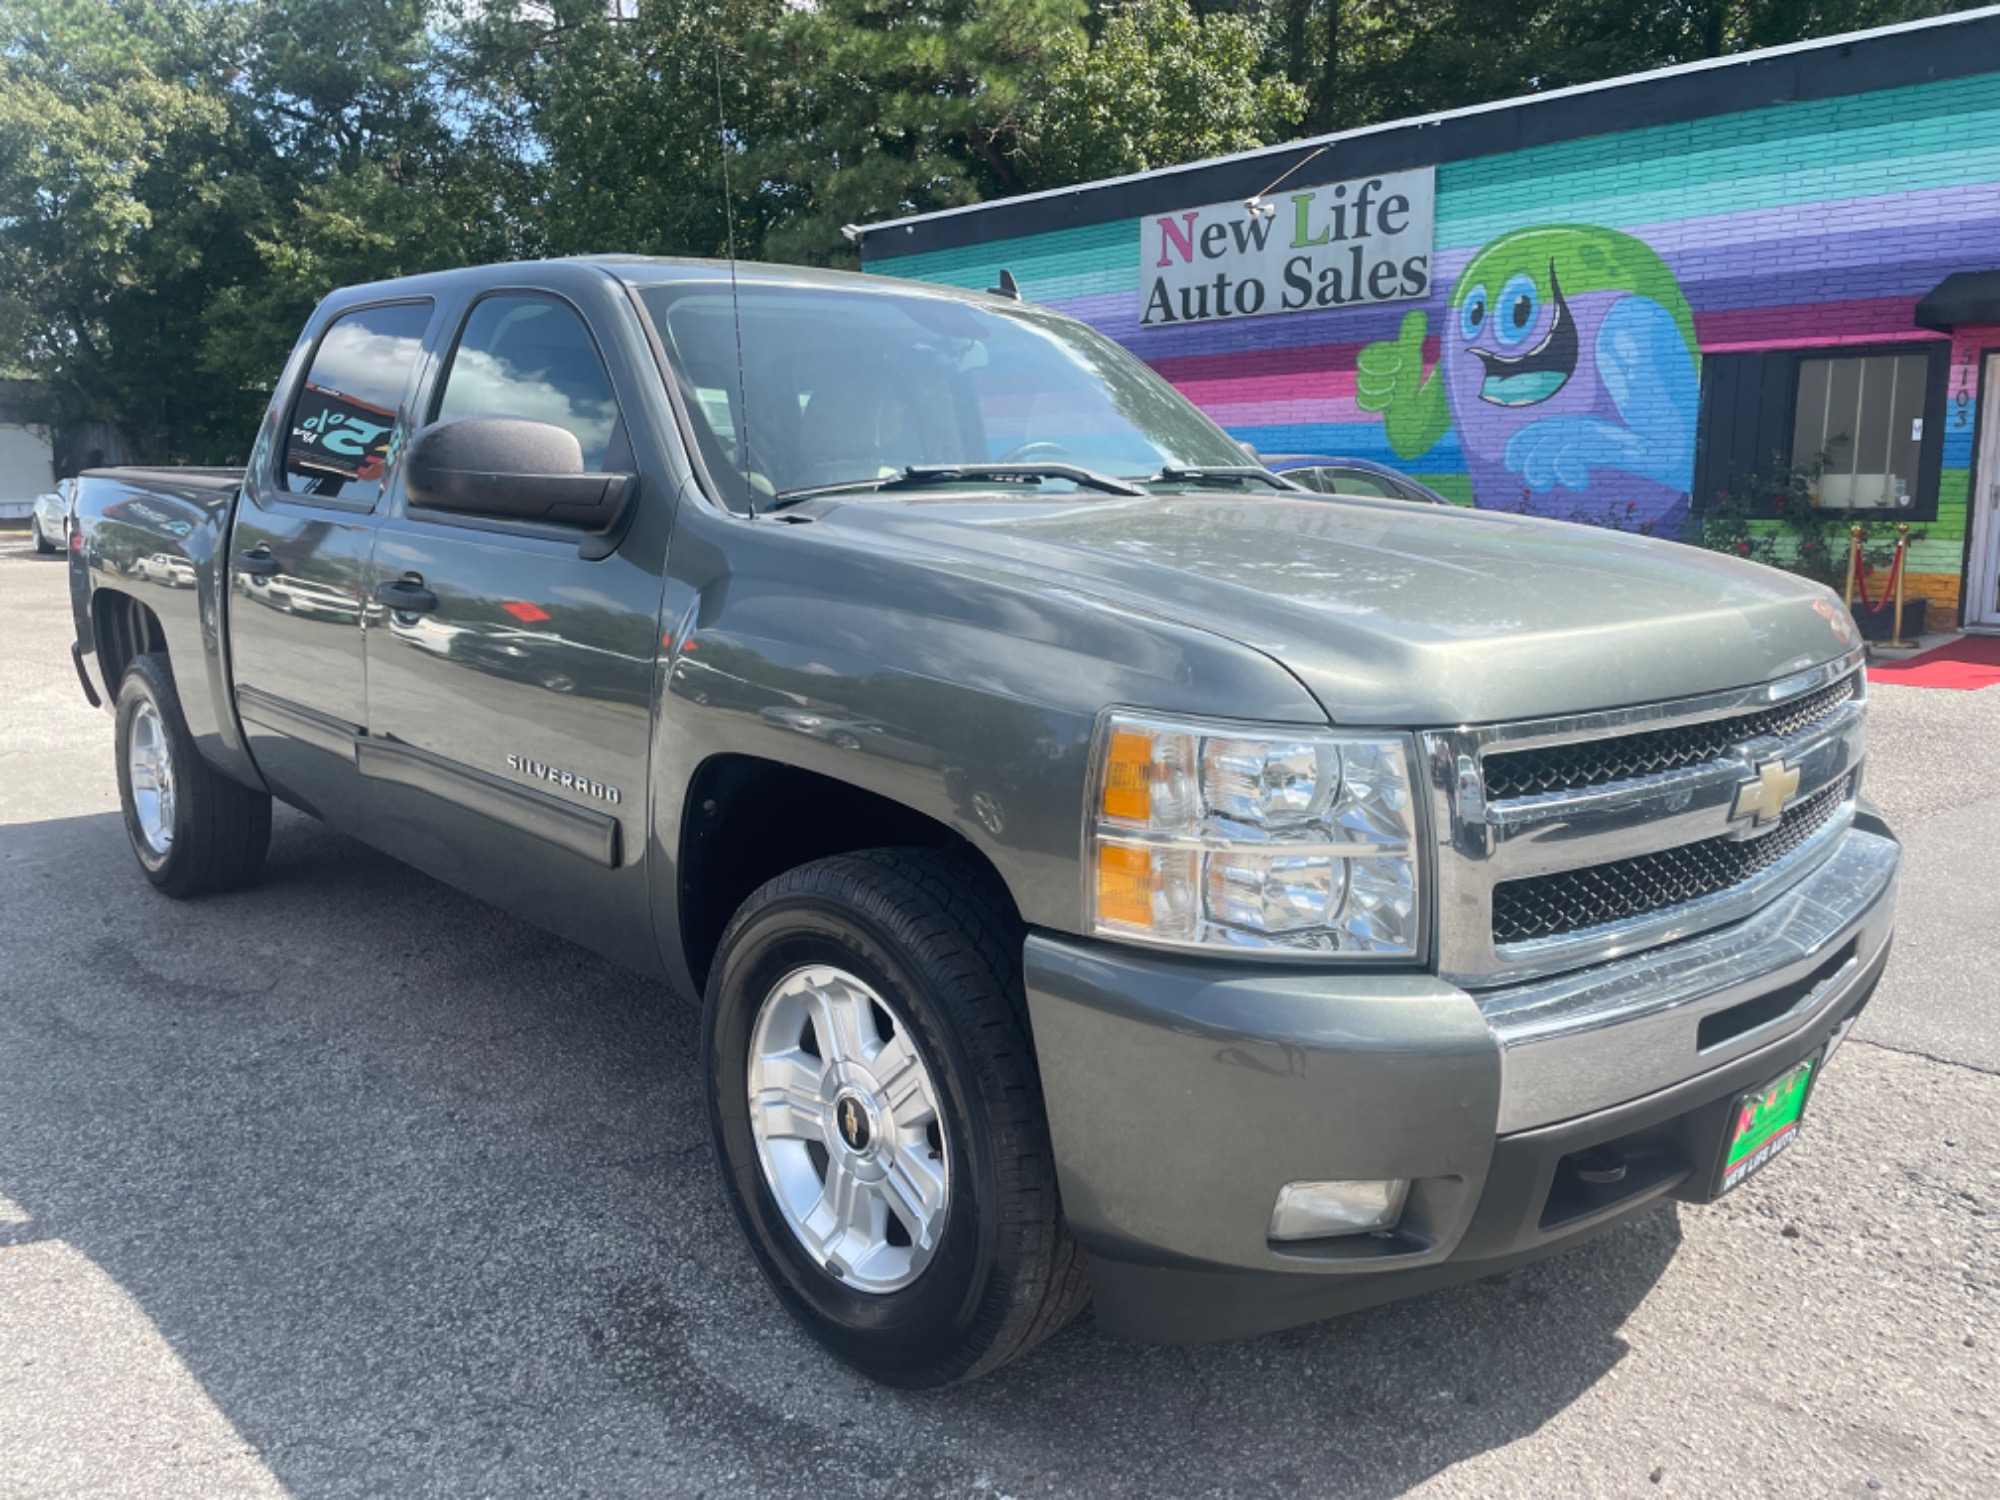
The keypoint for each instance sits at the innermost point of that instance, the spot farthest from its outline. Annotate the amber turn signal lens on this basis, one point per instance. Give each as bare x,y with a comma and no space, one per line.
1125,883
1127,787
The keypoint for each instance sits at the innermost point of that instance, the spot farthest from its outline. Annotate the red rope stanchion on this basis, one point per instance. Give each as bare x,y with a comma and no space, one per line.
1876,606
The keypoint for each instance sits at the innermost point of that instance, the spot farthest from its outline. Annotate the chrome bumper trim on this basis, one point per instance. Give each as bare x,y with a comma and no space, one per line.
1597,1037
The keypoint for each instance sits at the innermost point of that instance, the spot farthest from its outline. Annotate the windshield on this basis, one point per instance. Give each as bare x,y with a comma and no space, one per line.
851,385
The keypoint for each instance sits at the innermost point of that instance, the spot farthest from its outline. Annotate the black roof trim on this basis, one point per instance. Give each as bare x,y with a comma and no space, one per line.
1952,46
1962,297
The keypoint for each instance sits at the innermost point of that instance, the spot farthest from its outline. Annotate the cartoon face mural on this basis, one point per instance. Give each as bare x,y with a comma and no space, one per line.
1569,369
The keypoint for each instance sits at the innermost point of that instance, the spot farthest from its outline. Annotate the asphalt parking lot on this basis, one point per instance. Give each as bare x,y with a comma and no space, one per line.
350,1186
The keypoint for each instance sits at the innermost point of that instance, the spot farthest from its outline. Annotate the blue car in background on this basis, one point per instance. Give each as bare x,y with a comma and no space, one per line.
1349,476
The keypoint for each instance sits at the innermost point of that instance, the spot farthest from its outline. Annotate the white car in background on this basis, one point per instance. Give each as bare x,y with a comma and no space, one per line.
48,521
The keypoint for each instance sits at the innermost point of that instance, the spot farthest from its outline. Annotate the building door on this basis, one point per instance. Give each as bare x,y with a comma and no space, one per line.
1982,600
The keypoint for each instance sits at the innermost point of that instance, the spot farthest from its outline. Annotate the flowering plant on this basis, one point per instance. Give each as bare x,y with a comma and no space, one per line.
1804,539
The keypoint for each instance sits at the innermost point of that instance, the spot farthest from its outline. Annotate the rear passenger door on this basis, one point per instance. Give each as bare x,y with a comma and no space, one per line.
510,715
300,550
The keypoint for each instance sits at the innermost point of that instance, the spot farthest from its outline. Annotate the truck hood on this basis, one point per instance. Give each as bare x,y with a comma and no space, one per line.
1395,613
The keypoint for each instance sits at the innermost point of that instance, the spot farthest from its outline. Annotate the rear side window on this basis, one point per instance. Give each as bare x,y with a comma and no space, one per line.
345,417
528,356
1358,482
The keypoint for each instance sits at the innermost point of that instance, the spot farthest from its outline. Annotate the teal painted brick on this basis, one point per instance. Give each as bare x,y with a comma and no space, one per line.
1932,135
1903,140
1066,263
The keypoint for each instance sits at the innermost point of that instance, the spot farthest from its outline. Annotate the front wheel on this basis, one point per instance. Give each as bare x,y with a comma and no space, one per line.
42,544
878,1118
194,829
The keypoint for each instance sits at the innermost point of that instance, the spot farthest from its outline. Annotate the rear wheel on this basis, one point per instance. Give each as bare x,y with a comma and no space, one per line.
194,829
876,1110
42,543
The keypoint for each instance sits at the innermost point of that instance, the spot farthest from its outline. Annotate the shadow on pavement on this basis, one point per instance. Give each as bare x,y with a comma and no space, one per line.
422,1197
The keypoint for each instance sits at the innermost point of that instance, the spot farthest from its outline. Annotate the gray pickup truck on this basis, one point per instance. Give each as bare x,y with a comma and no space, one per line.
1108,870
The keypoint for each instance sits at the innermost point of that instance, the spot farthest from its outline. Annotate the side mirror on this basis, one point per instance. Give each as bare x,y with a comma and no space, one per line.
513,469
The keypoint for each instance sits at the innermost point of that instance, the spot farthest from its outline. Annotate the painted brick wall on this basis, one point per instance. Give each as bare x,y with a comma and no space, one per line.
1794,226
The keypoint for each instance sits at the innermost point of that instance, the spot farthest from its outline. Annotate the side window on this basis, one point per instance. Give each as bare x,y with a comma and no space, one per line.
529,356
1309,478
345,415
1357,482
1866,427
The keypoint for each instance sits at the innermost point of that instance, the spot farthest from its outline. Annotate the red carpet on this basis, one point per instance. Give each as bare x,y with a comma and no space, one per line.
1971,661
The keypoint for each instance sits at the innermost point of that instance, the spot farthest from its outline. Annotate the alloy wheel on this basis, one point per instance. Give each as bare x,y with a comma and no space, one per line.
848,1131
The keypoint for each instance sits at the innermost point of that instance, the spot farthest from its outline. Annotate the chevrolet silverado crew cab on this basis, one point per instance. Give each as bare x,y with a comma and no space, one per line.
1109,870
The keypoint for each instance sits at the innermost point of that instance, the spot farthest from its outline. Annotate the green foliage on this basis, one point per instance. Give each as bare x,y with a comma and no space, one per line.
900,107
1365,61
615,129
1157,84
117,179
1777,521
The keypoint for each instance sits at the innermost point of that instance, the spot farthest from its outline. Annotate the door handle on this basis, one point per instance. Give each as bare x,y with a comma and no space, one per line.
258,564
406,596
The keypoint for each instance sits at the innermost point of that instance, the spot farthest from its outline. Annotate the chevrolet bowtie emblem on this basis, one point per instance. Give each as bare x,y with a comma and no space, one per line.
1763,800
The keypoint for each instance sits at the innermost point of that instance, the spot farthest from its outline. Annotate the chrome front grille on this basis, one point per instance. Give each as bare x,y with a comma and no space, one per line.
1573,901
1565,842
1562,768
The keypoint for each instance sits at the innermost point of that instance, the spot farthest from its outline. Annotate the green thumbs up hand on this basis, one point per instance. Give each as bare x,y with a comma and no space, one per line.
1389,378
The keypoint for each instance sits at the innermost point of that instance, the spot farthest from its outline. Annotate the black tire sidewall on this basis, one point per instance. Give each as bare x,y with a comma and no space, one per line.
905,1332
145,681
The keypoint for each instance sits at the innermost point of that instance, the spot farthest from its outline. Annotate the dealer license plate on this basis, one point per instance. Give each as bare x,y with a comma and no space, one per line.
1766,1123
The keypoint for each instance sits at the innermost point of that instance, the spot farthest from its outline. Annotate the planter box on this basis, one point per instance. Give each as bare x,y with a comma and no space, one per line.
1882,627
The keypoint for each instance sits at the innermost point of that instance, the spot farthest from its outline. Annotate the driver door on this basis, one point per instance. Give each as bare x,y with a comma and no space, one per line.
510,677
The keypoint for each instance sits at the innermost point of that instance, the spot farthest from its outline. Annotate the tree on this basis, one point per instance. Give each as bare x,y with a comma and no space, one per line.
1156,85
620,126
899,107
1365,61
180,180
121,180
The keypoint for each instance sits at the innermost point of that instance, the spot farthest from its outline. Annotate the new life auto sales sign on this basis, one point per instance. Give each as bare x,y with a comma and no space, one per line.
1366,240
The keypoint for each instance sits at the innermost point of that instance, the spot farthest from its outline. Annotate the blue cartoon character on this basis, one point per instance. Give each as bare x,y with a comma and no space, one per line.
1569,365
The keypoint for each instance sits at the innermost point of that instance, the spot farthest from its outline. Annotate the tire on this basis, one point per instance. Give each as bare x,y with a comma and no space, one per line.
42,544
207,833
926,937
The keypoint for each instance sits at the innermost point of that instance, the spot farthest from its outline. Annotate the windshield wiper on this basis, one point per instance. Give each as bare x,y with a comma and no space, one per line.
931,476
1232,476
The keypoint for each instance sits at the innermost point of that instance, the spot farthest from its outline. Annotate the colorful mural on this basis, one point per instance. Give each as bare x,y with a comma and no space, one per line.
1569,370
1798,226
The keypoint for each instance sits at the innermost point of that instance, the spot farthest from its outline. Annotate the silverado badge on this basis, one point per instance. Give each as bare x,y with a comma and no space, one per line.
1763,799
568,780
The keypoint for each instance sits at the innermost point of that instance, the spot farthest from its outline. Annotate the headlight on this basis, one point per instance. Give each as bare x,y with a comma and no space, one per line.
1218,836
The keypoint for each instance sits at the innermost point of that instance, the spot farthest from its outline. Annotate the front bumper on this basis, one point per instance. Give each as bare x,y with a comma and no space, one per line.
1183,1094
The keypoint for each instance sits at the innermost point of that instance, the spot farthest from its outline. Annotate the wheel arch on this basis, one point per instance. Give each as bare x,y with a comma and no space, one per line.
748,819
122,627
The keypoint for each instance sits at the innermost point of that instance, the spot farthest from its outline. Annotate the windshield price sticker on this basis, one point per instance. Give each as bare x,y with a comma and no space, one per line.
1342,243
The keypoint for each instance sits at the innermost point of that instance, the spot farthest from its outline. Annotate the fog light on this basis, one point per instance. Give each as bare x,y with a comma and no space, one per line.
1319,1210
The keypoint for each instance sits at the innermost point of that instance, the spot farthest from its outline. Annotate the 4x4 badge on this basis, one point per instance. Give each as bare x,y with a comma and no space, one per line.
1763,800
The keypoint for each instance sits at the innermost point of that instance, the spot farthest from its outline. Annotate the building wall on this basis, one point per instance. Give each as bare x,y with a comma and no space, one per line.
26,467
1796,226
